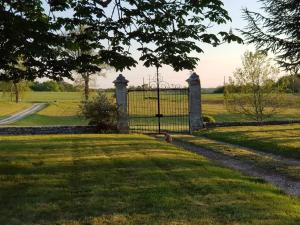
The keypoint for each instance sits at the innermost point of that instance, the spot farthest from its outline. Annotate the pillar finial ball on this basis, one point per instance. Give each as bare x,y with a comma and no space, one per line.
193,79
121,80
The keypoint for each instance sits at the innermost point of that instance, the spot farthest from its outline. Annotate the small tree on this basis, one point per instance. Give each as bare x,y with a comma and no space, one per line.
252,90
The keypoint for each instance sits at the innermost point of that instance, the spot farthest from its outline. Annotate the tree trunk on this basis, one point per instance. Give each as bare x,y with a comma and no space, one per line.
86,87
17,97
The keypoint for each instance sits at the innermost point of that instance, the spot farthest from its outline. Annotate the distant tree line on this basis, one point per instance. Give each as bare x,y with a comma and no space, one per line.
54,86
288,84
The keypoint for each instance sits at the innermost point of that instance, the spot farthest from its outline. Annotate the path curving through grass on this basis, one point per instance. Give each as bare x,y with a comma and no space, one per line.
23,114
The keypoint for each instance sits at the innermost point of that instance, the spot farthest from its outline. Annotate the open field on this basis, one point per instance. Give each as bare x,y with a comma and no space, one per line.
47,97
63,108
128,179
282,140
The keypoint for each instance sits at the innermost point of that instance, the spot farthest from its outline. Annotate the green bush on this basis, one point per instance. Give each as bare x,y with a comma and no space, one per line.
101,111
208,119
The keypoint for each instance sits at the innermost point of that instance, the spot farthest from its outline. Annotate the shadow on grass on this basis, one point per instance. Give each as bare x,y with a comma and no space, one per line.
129,180
278,143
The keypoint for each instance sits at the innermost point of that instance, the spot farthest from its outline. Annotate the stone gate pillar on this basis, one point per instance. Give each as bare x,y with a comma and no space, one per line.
121,97
195,104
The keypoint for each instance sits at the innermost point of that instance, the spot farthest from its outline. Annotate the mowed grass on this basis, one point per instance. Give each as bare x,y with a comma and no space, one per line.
128,179
57,113
9,108
281,140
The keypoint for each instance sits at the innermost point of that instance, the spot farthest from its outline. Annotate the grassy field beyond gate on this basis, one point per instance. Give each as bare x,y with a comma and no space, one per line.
63,108
128,179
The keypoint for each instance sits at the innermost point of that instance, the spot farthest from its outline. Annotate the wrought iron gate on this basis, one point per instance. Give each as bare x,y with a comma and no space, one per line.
159,110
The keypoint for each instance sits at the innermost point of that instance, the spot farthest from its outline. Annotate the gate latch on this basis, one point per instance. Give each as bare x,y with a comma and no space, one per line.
159,115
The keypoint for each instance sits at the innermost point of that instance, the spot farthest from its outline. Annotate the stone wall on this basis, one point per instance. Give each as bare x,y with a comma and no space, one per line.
48,130
94,130
264,123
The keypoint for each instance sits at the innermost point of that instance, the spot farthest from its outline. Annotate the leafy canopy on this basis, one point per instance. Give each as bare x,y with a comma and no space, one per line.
26,35
163,32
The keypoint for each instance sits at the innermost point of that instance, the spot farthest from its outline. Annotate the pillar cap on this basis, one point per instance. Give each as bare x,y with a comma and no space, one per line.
121,80
193,79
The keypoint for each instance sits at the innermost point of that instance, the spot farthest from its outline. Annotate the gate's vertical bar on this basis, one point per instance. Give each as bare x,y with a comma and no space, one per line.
158,99
121,96
195,104
128,110
189,116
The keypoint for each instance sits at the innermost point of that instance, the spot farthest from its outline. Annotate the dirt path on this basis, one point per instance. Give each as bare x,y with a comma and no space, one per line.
286,160
286,184
20,115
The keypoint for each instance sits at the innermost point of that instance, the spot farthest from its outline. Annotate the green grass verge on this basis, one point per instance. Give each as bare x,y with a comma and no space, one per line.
251,157
56,113
128,179
9,108
281,140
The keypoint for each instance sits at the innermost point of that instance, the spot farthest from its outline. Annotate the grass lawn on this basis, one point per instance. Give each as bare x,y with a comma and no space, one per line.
282,140
128,179
57,113
9,108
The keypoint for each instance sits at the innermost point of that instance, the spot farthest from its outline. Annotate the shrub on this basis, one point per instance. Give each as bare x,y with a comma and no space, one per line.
208,119
101,111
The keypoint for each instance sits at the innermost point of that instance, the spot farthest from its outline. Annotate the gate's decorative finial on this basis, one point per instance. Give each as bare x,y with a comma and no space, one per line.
121,80
193,79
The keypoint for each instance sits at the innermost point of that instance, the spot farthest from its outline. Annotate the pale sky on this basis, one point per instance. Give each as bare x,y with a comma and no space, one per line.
214,64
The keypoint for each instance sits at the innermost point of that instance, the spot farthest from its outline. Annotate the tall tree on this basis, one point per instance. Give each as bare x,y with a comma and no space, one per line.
86,28
168,32
86,62
277,29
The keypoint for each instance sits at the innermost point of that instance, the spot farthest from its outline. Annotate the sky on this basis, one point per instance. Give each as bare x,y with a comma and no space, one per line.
214,64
